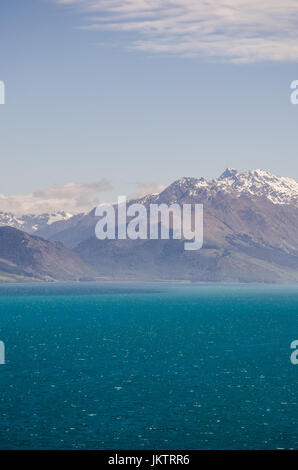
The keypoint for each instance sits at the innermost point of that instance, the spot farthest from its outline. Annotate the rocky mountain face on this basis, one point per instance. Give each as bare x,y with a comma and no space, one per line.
24,257
257,185
72,231
250,234
244,241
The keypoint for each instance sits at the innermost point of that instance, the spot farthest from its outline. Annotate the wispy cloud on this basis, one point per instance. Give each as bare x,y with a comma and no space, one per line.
238,31
71,197
70,190
148,187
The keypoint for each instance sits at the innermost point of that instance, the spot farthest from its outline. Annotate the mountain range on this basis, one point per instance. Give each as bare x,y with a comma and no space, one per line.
32,223
250,234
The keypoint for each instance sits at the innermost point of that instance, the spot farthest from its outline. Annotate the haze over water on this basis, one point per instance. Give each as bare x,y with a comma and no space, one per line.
142,366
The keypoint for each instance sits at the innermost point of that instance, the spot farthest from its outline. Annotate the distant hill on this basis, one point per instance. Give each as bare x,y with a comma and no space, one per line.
24,257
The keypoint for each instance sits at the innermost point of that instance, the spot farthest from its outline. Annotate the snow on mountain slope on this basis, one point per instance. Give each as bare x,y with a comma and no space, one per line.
259,183
32,223
255,184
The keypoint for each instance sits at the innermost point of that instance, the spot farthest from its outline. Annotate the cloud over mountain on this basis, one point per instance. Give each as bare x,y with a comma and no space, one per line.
70,197
237,31
70,190
148,187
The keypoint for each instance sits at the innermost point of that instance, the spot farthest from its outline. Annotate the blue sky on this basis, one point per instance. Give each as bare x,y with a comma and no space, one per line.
139,102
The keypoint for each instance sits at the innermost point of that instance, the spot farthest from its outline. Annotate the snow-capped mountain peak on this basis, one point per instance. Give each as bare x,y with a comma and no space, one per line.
228,173
259,183
254,184
32,222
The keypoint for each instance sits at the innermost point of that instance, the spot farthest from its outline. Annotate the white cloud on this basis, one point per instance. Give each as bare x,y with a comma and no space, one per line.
238,31
147,188
71,197
70,190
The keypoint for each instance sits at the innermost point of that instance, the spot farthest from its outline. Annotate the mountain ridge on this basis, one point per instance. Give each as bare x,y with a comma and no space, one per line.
32,223
250,234
27,257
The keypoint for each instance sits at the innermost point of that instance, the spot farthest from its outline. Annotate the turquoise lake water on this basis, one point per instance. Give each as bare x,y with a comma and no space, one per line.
148,366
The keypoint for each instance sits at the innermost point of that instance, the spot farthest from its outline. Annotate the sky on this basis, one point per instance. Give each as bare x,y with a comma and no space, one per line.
110,97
